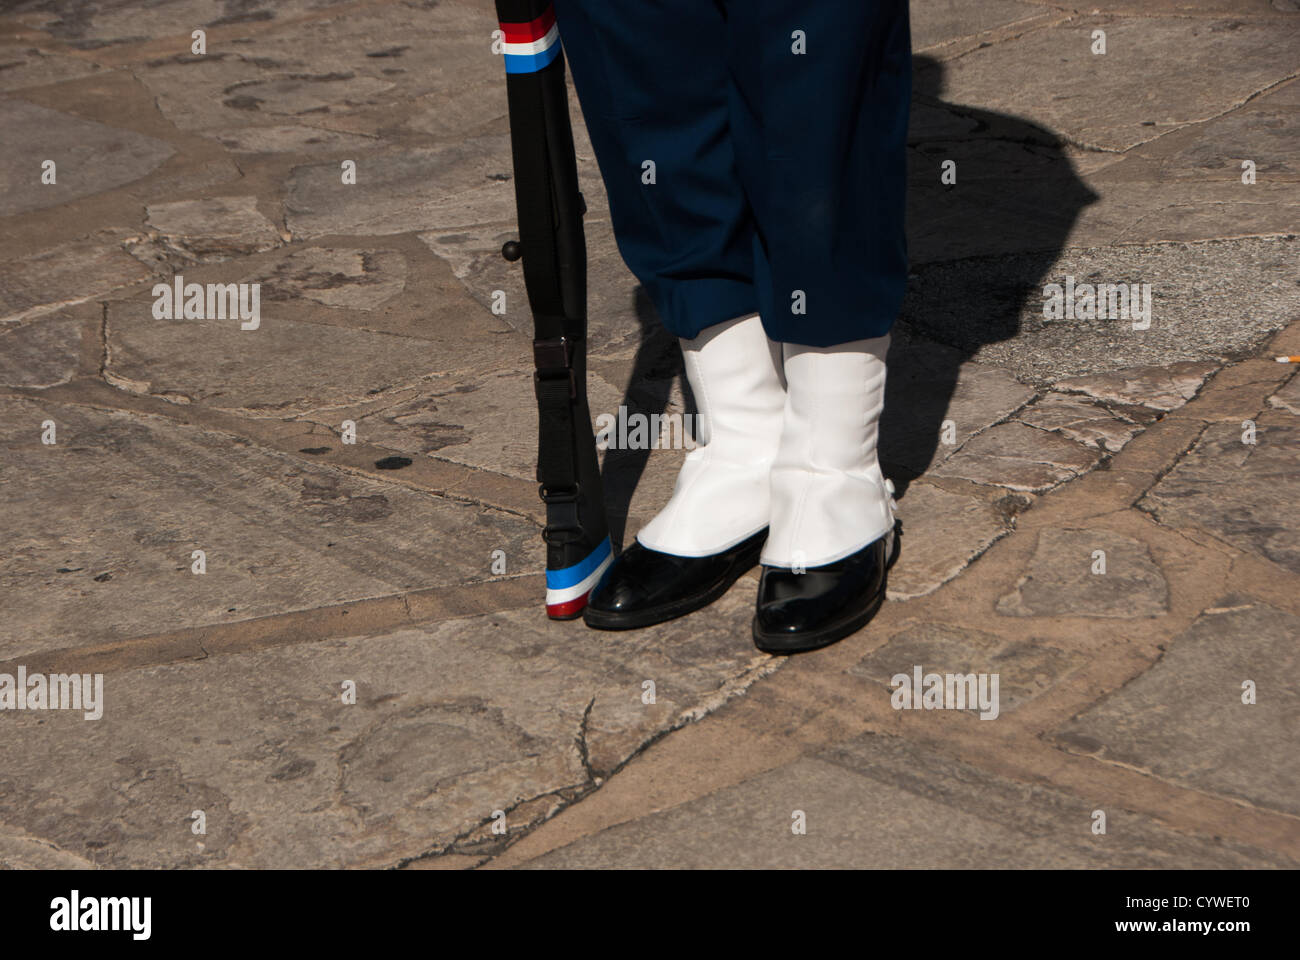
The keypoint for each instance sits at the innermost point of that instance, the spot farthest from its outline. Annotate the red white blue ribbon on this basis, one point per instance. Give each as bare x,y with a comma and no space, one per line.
531,46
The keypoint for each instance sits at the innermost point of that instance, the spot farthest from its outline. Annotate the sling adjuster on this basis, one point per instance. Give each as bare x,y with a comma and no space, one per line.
553,359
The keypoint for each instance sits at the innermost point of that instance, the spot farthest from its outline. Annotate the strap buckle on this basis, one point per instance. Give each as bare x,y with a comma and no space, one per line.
553,359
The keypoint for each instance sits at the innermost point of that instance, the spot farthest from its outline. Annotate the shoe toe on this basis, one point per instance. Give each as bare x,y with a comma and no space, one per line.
618,592
802,611
791,615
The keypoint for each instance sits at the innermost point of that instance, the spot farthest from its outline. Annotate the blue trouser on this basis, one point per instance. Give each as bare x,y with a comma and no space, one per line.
778,177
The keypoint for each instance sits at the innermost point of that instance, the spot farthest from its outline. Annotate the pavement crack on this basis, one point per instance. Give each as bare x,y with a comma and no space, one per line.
581,740
103,338
1222,113
463,843
1166,470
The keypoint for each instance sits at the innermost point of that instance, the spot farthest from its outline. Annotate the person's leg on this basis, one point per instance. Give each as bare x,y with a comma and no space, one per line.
654,92
653,88
819,116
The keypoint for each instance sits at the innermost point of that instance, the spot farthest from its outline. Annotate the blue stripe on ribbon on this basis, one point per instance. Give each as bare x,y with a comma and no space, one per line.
531,62
572,576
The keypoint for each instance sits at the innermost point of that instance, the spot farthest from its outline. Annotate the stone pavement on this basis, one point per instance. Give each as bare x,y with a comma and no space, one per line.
1103,512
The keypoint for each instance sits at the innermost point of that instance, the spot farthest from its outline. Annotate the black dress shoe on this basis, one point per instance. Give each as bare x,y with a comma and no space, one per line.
804,611
645,587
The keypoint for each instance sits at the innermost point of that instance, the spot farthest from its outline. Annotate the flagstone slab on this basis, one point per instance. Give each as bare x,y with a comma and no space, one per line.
1088,573
212,229
283,368
111,23
1184,719
1253,8
452,721
1156,74
1164,388
23,66
1018,457
88,157
69,274
1288,397
620,315
351,279
1260,131
461,184
1243,493
102,526
1025,669
289,138
943,532
356,71
486,420
469,109
1189,212
935,401
1088,423
883,803
936,22
42,353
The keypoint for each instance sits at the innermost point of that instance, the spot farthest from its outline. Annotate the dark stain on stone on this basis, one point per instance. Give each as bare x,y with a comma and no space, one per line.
252,16
359,509
389,52
323,77
321,488
1080,743
439,435
393,463
295,769
70,569
1011,506
242,103
315,450
99,44
307,279
103,577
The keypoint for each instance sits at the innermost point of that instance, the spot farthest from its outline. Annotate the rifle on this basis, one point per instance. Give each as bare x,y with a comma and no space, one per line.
554,251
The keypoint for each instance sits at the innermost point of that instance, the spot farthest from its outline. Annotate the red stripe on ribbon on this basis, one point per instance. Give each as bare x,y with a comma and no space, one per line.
532,31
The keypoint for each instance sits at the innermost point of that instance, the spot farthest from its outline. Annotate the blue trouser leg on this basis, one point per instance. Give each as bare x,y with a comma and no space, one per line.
653,87
779,175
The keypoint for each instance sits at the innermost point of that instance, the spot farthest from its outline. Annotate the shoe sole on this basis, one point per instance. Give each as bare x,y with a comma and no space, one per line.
605,620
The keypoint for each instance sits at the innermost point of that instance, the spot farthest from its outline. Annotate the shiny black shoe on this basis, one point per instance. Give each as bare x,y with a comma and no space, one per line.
645,587
804,611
